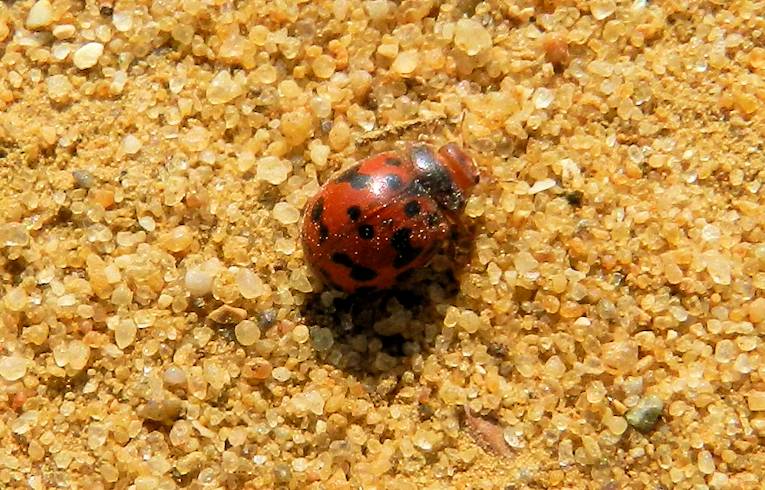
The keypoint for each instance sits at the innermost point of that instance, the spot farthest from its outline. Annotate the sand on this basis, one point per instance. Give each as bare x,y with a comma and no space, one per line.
600,326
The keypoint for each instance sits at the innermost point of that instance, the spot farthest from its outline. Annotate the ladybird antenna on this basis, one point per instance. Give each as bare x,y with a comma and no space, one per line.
453,124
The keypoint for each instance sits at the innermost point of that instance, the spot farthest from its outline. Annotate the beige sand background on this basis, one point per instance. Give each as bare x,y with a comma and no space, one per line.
160,328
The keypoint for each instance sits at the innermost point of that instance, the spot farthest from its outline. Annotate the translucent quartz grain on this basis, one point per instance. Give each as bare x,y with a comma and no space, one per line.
273,170
756,400
247,332
40,15
471,36
124,333
13,235
131,145
281,374
757,310
602,9
88,55
406,62
13,368
286,213
249,283
706,462
199,281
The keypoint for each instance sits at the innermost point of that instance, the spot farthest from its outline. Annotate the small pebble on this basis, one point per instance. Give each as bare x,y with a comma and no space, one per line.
64,31
59,88
323,66
757,310
40,15
174,376
541,186
88,55
249,283
13,368
247,332
273,170
471,37
705,462
223,88
281,374
178,239
227,314
199,281
646,413
286,213
125,333
406,62
756,401
131,145
83,178
165,410
602,9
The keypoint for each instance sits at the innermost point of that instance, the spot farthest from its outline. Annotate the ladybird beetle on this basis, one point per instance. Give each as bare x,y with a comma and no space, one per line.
386,215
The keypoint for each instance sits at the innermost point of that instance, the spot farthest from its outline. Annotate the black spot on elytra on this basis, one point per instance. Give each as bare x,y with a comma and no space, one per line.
354,212
318,210
358,272
393,181
323,233
393,162
366,232
361,273
412,208
404,276
405,252
342,259
353,177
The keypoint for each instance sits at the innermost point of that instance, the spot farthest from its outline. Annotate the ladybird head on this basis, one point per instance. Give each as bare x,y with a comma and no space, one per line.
459,165
447,175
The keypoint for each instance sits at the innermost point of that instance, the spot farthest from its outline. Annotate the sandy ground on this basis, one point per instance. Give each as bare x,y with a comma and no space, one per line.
602,328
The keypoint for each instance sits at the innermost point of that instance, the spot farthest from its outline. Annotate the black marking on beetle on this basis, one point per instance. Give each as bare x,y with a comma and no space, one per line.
323,233
342,259
416,188
393,181
412,208
433,219
366,232
361,273
405,252
354,212
353,177
393,162
324,274
404,276
430,250
435,179
358,272
318,210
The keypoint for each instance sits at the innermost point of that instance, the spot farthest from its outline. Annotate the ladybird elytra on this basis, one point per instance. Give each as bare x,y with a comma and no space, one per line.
386,215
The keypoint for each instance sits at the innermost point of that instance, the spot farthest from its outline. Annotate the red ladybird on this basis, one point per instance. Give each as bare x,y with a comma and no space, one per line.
386,215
